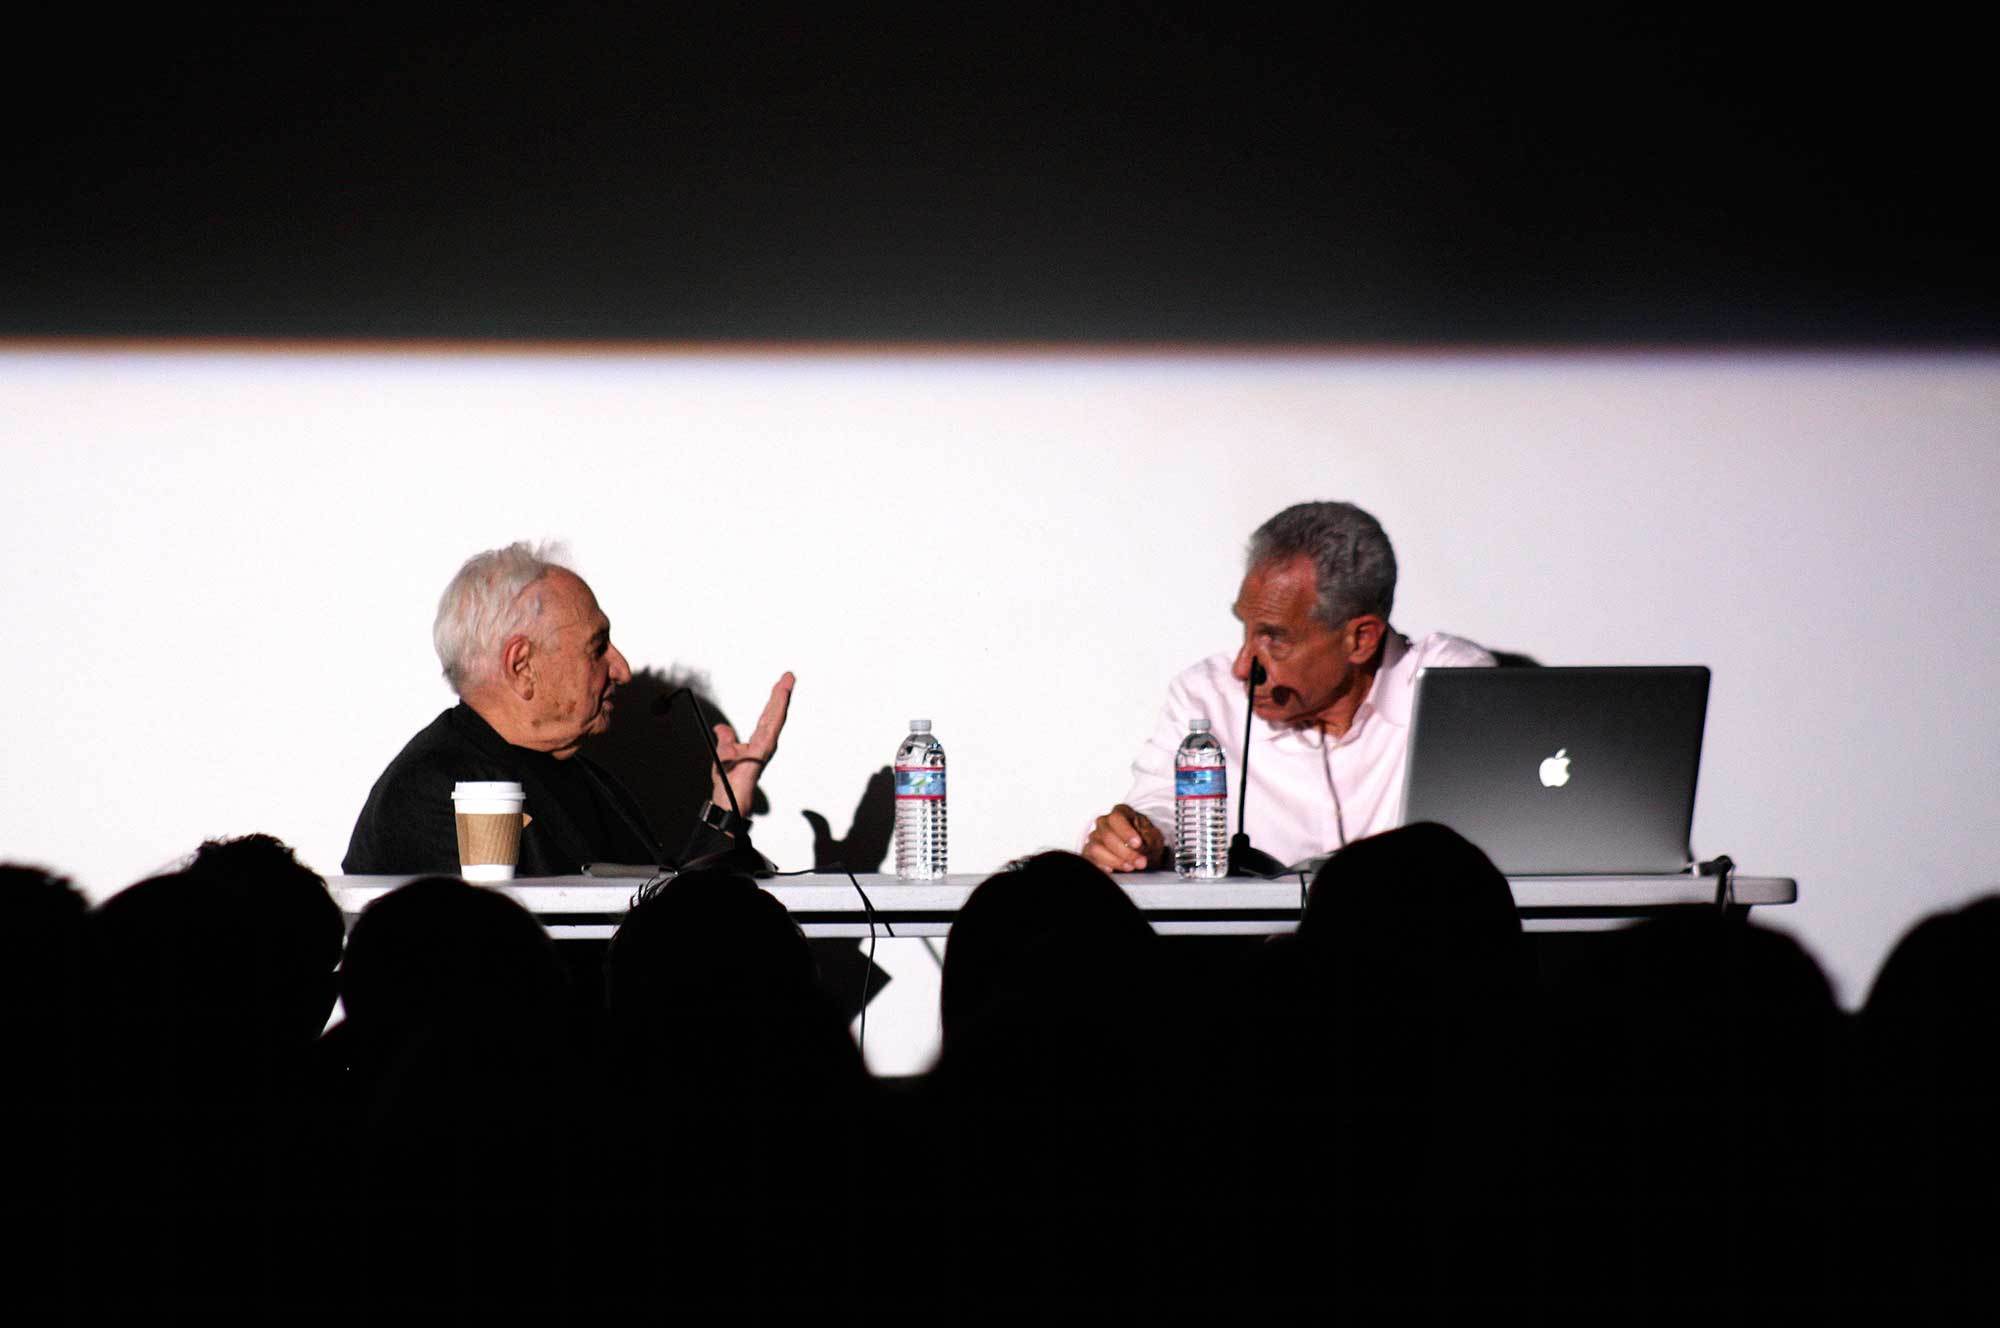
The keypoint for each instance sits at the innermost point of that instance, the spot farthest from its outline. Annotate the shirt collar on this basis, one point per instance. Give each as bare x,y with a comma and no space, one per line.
1395,681
475,727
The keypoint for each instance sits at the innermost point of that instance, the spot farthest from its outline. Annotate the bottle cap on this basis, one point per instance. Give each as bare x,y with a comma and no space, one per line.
920,726
1197,725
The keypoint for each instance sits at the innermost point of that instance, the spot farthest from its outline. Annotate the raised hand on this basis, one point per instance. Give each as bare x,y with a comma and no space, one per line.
745,759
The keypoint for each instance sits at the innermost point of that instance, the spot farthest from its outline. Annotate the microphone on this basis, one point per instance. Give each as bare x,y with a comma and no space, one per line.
1243,859
736,853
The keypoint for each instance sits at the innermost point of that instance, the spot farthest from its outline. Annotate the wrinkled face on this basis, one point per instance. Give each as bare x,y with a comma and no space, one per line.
1307,664
576,668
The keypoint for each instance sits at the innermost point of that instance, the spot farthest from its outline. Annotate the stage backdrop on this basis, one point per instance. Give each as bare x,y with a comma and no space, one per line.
221,566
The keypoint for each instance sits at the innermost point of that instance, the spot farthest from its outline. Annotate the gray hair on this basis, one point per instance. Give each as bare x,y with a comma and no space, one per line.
493,596
1353,565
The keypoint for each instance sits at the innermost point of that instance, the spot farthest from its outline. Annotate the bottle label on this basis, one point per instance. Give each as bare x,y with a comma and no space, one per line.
921,782
1200,782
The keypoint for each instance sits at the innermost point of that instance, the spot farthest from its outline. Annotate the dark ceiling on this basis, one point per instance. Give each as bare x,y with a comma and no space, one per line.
1120,173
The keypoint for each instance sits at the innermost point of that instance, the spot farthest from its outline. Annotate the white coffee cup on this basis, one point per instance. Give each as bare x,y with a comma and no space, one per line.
488,812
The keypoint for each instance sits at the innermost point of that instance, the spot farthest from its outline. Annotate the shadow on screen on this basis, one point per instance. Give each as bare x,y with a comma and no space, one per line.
664,761
662,758
866,844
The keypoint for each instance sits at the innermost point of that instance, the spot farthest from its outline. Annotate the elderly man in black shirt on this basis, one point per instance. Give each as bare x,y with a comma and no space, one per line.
529,652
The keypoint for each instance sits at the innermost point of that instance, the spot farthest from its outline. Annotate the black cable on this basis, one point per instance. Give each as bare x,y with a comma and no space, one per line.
707,728
1724,869
1257,676
868,969
870,907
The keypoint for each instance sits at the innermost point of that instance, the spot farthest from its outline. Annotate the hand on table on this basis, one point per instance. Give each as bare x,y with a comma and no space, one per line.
1125,840
745,760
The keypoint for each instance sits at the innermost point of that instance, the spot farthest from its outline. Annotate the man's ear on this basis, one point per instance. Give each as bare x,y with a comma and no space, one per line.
517,666
1364,637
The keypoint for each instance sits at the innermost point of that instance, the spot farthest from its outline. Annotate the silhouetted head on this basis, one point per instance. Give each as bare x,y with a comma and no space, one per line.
1934,1012
438,952
712,986
1697,1004
1055,1072
703,938
243,940
1416,906
1697,958
41,963
1048,928
40,943
299,927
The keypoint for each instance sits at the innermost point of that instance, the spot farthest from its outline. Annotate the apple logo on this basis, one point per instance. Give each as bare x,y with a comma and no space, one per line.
1555,770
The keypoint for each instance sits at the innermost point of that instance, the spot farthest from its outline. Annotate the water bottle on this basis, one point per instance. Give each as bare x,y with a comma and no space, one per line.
920,805
1201,806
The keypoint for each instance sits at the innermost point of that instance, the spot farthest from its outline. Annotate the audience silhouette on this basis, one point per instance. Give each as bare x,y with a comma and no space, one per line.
1387,1046
461,1083
1924,1121
1056,1096
1390,1114
41,1034
1691,1062
743,1098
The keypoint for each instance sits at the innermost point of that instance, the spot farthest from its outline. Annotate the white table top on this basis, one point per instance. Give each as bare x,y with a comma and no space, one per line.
827,905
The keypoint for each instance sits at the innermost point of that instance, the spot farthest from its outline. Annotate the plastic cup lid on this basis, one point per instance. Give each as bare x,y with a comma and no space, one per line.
486,789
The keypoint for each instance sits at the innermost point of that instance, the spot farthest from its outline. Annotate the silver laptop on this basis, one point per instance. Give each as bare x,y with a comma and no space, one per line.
1561,772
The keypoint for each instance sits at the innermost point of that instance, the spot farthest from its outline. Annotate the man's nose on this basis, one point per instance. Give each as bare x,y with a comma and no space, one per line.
621,672
1240,670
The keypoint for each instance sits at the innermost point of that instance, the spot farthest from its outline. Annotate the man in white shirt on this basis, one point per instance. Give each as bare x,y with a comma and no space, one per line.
1330,735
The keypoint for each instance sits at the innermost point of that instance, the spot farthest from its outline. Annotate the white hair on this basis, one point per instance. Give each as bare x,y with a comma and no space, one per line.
495,595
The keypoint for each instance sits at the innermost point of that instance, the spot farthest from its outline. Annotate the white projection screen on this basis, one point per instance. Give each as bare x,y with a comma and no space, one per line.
222,562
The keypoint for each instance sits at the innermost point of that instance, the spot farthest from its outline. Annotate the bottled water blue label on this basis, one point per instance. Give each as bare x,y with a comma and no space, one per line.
1196,783
919,782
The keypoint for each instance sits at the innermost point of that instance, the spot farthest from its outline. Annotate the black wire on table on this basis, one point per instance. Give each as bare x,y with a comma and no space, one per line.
868,969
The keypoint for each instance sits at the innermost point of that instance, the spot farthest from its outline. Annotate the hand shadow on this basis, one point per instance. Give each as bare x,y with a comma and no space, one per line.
868,834
845,969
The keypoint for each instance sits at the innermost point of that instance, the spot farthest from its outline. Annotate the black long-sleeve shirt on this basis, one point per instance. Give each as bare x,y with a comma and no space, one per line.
578,812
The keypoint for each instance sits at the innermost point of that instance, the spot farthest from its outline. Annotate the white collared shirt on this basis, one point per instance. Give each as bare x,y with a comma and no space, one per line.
1310,793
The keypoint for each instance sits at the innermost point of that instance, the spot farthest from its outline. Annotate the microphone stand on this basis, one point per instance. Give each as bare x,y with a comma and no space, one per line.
1243,859
738,854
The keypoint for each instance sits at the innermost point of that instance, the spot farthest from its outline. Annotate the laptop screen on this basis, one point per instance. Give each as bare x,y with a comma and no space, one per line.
1561,771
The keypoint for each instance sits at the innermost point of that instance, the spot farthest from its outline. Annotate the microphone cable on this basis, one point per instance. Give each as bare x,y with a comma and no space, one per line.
707,728
868,969
1257,679
1244,859
1723,868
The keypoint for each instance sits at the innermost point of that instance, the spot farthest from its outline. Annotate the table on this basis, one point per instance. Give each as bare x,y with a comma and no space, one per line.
589,907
